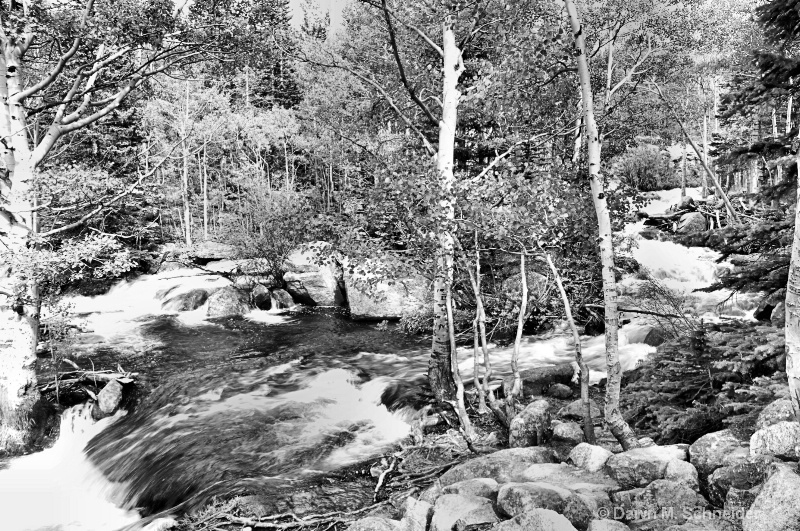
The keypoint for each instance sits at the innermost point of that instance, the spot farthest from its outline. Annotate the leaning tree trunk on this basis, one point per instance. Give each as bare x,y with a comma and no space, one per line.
440,370
619,428
793,311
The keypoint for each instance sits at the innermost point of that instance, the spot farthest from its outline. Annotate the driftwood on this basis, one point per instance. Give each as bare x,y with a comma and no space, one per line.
81,377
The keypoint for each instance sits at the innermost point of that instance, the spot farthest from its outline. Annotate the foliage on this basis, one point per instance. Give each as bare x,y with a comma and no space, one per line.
647,167
722,374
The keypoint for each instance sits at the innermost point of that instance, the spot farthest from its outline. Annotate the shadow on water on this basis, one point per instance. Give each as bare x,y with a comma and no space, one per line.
243,408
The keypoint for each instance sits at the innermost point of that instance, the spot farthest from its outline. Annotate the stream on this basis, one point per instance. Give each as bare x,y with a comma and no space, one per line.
269,400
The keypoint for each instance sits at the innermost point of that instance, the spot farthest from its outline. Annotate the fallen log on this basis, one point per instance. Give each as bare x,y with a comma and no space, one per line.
78,377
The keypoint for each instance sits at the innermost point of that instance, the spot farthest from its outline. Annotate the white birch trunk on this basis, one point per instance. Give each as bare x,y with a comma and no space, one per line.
792,330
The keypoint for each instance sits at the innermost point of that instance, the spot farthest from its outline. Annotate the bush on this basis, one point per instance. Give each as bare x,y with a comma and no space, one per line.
647,167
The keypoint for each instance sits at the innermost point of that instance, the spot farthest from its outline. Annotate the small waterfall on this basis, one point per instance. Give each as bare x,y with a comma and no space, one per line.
59,489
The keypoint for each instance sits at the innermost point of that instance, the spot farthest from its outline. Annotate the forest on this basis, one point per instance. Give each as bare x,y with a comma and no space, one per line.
383,265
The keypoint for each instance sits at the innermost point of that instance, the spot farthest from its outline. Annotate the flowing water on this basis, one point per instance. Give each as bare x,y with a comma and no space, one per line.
264,402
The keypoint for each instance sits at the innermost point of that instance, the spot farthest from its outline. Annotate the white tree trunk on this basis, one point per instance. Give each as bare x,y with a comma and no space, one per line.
440,372
619,428
703,176
792,329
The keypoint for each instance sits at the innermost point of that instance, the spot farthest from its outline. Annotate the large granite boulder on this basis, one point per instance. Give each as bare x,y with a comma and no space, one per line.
517,498
313,276
452,508
589,457
536,520
690,223
669,499
185,302
777,506
714,450
775,412
374,523
641,466
647,334
502,466
416,515
261,297
568,432
574,411
531,427
781,440
537,380
228,302
482,487
569,477
766,306
682,472
742,476
108,400
281,299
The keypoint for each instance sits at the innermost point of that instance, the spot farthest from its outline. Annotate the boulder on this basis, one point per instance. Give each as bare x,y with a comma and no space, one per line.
517,498
766,306
531,427
607,525
228,302
690,223
374,523
569,477
589,457
670,499
641,466
580,509
682,472
535,381
261,297
108,400
781,439
416,515
536,520
712,451
778,317
502,466
740,500
742,476
319,288
625,501
559,390
777,506
185,302
570,432
281,299
537,284
574,411
375,292
452,508
481,487
647,334
775,412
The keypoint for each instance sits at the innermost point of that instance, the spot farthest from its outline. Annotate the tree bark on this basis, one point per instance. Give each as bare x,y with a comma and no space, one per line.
792,330
703,176
440,370
187,211
586,406
619,428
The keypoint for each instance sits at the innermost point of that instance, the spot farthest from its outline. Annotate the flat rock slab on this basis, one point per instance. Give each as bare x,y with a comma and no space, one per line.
569,477
502,466
482,487
536,520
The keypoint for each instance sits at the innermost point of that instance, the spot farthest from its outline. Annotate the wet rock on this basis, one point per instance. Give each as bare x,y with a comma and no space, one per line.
740,500
186,302
452,508
682,472
781,440
374,523
108,400
261,297
228,302
712,451
690,223
416,515
743,476
641,466
531,427
778,317
767,305
777,506
314,289
161,524
282,299
559,390
536,520
516,498
535,381
574,411
503,466
607,525
589,457
570,432
647,334
482,487
775,412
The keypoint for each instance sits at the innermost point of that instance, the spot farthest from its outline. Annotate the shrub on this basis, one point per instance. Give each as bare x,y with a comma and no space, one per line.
647,167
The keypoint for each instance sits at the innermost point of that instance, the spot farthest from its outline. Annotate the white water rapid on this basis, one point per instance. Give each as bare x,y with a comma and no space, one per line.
59,489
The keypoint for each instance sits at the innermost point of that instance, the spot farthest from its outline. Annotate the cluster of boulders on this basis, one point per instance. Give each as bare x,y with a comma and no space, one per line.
719,483
311,277
683,218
